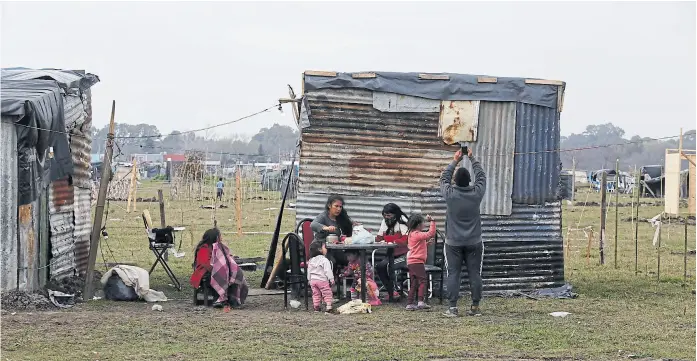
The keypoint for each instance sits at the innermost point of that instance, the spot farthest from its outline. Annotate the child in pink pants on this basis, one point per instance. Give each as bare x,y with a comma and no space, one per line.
321,277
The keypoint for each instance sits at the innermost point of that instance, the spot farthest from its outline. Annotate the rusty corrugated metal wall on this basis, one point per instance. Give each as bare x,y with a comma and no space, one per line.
61,200
494,150
81,147
8,204
373,157
537,164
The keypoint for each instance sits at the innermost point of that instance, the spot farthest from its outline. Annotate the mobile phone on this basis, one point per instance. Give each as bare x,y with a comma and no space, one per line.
463,148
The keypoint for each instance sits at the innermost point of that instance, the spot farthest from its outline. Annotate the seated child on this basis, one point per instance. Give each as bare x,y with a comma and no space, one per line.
354,269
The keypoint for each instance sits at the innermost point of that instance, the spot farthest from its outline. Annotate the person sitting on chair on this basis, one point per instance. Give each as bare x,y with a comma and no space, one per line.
226,277
394,230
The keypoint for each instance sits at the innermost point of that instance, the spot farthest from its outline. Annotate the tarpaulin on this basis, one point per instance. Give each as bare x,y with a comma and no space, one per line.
36,108
456,87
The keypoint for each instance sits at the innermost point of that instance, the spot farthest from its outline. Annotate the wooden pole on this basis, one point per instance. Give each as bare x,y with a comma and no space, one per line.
238,200
637,178
660,226
588,250
603,216
99,210
163,219
573,179
617,201
131,187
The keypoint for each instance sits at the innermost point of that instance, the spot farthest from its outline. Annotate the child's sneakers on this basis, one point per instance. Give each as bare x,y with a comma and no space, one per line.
412,307
423,306
318,308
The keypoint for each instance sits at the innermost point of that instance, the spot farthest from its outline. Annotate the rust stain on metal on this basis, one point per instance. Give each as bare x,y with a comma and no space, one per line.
63,193
459,122
25,214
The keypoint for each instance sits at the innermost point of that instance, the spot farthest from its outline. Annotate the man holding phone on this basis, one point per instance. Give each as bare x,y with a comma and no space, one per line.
463,229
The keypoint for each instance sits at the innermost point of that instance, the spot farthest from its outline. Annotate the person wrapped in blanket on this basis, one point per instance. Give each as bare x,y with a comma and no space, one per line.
354,270
214,259
393,230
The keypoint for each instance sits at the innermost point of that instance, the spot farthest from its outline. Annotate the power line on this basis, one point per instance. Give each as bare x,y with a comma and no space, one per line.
148,136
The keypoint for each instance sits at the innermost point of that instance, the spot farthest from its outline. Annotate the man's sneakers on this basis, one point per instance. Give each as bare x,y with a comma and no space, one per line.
453,312
474,311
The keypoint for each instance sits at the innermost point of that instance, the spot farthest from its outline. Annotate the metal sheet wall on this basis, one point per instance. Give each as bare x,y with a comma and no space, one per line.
28,231
8,205
537,161
348,117
61,200
79,125
494,150
83,227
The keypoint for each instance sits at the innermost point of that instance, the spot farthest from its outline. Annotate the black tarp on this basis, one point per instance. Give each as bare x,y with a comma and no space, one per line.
457,87
36,108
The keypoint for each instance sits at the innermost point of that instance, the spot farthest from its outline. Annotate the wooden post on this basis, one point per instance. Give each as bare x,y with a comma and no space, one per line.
573,179
637,178
163,220
603,216
132,186
238,199
660,226
99,210
588,250
617,201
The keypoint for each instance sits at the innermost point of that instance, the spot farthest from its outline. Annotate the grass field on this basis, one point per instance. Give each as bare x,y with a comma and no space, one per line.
618,314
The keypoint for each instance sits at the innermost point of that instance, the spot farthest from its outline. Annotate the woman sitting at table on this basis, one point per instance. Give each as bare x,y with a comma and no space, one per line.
213,258
394,230
333,221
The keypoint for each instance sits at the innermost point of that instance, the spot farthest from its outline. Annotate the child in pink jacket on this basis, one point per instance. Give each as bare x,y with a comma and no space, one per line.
416,259
321,276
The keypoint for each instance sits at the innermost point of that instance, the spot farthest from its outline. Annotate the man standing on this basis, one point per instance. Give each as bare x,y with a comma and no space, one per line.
219,187
463,230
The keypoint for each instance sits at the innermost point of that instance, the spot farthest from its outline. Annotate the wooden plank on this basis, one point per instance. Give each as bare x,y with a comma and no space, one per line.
434,77
560,99
544,82
363,75
320,73
672,183
487,79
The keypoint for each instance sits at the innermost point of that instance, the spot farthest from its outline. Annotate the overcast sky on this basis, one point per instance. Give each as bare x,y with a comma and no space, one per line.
186,65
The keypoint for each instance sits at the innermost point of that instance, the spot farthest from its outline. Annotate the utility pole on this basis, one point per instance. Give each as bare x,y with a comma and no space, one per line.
99,211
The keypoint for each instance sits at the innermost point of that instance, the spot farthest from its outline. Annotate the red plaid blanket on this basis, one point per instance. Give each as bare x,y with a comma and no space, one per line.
226,276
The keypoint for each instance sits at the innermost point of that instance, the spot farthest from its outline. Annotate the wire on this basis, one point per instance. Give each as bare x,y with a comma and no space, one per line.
201,129
149,136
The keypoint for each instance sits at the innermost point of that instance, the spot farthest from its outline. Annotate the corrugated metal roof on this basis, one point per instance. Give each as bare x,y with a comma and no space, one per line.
537,161
8,205
64,78
61,201
83,227
494,150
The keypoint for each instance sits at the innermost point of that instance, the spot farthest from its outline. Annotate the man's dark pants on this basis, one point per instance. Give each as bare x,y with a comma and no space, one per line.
472,256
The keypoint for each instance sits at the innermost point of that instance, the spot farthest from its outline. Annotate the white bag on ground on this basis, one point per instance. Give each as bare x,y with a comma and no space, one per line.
362,236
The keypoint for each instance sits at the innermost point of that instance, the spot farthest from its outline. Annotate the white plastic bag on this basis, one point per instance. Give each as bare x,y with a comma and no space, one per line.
362,236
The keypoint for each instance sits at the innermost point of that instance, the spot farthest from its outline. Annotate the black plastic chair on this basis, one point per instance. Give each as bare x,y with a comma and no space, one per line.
206,290
296,274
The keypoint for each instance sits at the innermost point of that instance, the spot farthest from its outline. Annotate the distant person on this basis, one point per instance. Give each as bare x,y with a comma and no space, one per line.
219,187
463,230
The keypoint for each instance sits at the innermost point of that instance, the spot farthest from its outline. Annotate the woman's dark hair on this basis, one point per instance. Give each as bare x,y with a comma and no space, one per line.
392,208
343,220
414,221
315,249
209,237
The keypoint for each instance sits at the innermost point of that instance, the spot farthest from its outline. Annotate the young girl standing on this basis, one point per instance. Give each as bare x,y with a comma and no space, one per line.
321,276
416,259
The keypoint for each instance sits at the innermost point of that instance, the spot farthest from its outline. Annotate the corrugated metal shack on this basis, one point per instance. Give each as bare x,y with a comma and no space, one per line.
46,143
377,137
